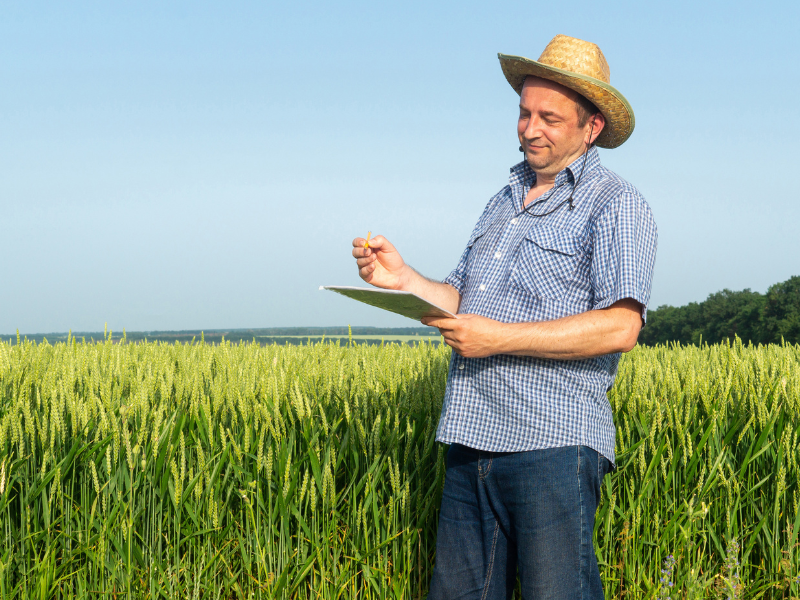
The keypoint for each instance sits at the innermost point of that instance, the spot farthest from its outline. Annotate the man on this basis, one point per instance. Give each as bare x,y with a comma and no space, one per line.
552,287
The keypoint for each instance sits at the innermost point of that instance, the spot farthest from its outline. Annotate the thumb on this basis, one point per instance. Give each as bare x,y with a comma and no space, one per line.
381,243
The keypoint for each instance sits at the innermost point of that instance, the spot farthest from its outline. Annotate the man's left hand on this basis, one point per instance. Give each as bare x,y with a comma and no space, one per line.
471,336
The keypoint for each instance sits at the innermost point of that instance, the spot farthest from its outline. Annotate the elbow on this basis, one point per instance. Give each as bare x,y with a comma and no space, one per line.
629,336
628,345
625,323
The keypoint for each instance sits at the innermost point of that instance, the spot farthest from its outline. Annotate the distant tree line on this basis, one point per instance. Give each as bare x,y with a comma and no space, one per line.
757,318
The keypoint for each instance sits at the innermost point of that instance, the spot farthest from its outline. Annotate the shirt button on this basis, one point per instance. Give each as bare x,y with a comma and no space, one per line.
497,255
461,367
514,221
482,288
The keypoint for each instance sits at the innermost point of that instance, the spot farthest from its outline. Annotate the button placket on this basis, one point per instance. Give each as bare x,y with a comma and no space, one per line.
506,235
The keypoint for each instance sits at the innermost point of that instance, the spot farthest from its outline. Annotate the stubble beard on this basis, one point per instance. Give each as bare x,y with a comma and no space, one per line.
543,163
538,163
549,163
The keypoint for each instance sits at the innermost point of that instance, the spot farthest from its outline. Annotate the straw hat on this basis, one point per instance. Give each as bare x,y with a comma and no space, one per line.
581,67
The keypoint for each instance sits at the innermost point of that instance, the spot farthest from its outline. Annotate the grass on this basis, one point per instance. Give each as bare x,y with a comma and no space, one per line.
155,470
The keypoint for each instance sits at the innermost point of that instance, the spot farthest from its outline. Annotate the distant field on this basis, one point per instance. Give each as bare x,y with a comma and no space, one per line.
273,335
433,338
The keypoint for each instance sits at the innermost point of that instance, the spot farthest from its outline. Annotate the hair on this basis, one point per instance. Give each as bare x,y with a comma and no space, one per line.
585,108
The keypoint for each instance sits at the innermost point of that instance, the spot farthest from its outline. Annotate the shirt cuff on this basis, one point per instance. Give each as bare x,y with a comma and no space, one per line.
457,281
621,295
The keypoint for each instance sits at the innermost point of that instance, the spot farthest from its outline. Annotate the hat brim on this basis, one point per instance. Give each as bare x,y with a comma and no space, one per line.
608,100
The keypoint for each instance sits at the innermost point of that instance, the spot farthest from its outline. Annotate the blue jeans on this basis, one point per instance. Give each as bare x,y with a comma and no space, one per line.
532,511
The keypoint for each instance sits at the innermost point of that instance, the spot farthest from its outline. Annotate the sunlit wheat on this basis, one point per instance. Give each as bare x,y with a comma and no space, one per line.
152,470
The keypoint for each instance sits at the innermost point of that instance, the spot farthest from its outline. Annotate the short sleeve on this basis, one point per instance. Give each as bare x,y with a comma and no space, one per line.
458,276
624,252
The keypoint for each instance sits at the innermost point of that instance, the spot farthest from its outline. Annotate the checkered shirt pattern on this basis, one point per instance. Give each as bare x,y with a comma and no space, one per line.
521,268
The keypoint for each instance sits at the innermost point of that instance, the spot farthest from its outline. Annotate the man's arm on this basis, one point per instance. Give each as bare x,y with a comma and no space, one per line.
381,265
585,335
440,294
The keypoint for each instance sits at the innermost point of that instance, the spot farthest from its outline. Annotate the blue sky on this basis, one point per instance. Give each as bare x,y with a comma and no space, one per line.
206,165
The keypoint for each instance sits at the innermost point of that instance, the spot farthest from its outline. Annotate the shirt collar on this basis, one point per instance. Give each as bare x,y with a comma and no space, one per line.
522,176
592,160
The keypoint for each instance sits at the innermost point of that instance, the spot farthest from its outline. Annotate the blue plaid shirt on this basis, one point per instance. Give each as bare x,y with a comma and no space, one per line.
520,268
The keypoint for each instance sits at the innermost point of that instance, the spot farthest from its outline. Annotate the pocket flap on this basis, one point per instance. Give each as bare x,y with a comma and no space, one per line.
553,239
475,236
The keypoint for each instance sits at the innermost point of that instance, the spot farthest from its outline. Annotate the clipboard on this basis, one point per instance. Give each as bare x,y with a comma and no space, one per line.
402,303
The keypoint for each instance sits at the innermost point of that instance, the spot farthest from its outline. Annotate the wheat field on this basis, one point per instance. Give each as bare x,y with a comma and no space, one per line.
150,470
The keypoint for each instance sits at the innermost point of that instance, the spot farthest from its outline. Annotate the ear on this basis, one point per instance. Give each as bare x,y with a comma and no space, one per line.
594,127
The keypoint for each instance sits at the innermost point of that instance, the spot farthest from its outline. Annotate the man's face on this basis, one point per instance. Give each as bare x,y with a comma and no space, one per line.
548,126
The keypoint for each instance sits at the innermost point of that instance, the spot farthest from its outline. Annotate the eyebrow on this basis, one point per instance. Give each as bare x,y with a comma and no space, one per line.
545,113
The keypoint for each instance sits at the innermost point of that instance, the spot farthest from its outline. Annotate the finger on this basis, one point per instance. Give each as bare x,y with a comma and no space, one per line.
443,324
358,242
363,262
454,345
361,252
453,336
365,272
432,321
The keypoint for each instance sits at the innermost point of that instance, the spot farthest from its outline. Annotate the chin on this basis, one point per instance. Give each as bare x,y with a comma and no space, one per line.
537,162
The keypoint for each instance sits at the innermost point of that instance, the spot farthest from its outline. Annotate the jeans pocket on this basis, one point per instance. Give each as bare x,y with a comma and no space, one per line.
546,262
603,467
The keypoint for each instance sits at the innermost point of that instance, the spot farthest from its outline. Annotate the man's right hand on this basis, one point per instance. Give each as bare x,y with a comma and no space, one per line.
380,264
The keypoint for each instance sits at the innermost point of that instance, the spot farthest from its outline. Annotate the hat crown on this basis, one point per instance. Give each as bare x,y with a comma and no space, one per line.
577,56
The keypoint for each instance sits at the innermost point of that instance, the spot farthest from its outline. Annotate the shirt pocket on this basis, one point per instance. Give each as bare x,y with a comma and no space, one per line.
546,262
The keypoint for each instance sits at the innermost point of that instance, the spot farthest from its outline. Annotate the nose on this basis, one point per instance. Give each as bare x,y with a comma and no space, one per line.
533,128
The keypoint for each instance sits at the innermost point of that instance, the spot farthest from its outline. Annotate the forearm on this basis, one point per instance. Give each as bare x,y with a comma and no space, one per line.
441,294
586,335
